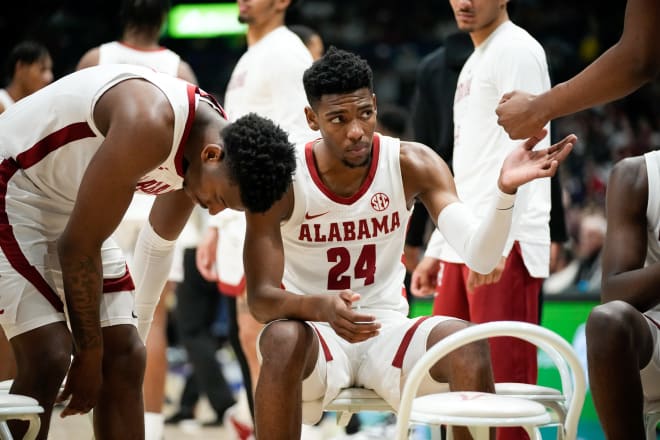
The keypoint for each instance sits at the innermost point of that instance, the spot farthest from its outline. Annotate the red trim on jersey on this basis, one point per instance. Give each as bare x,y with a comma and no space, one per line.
178,158
375,153
232,289
324,345
12,249
397,362
141,49
214,101
55,140
122,284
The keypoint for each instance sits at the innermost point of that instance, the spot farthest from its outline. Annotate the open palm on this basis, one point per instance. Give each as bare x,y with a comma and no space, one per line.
524,164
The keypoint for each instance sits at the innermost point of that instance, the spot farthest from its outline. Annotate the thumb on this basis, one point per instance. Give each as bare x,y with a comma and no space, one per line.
531,142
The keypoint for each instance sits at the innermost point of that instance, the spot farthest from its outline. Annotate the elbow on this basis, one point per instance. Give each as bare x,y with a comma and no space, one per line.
256,308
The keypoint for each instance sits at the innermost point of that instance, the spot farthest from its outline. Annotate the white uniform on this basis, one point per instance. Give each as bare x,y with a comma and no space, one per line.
42,168
651,373
267,80
5,99
166,61
480,144
333,243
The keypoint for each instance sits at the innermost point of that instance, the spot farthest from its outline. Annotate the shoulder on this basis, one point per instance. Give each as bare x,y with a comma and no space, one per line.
90,58
416,158
433,61
630,174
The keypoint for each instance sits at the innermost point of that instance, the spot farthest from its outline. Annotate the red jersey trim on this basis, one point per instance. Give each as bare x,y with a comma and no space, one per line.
55,140
397,362
12,249
178,158
311,166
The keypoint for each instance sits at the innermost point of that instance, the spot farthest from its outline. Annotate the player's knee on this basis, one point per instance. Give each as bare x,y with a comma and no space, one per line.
51,357
125,362
609,327
288,341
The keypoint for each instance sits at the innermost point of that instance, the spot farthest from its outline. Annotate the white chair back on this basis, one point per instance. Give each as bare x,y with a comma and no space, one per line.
573,377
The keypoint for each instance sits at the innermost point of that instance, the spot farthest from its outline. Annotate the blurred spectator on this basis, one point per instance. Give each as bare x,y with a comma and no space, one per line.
29,68
310,38
583,273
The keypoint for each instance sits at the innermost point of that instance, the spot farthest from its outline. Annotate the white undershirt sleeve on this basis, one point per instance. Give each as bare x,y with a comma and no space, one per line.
481,244
151,266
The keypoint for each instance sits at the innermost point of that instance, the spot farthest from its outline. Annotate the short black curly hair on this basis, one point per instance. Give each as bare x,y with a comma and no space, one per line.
260,160
144,13
338,71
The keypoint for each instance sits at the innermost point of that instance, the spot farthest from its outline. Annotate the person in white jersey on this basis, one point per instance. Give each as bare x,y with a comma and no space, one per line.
505,57
623,347
142,22
626,66
323,265
266,80
102,134
29,67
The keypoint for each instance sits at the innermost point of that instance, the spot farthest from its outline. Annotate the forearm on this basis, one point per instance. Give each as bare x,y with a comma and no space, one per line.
269,304
82,276
480,244
152,262
636,287
602,81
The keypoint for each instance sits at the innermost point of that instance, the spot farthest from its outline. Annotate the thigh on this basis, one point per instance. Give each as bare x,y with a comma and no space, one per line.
451,296
390,358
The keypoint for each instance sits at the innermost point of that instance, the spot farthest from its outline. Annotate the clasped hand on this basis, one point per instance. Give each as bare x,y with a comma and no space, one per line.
348,322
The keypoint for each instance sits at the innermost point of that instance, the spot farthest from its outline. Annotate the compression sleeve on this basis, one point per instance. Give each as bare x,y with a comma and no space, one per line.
152,261
481,244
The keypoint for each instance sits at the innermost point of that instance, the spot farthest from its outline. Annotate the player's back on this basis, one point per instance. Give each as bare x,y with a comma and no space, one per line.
162,59
51,135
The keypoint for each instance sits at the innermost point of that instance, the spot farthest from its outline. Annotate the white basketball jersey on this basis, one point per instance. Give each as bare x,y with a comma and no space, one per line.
50,136
332,243
5,99
653,207
162,60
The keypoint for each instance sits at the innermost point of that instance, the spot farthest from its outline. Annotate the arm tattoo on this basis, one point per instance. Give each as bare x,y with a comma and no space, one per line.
82,289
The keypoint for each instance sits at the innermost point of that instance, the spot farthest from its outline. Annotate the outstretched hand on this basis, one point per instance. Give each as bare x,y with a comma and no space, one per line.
348,323
518,115
525,164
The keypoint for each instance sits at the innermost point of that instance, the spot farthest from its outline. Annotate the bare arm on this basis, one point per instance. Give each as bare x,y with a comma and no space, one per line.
136,117
480,244
91,58
263,258
626,66
624,275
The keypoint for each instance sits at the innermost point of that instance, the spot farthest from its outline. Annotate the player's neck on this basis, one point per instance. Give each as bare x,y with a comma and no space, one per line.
16,91
258,30
145,40
481,35
341,179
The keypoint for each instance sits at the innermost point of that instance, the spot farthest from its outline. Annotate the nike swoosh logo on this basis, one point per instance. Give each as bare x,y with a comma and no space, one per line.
310,217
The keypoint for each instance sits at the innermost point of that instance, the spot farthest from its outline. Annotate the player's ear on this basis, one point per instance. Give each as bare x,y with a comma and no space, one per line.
312,118
212,153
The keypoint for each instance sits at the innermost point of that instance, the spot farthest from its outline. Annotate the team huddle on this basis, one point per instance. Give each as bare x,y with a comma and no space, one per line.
325,206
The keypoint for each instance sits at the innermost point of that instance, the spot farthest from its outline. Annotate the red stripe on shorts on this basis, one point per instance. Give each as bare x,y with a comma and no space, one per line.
122,284
405,342
653,321
10,246
324,345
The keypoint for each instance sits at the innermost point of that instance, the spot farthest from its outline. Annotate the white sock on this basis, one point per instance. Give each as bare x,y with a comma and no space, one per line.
154,424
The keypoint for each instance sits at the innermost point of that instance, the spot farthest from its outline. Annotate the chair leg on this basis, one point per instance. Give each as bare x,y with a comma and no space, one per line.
533,432
33,428
5,434
479,432
343,417
651,421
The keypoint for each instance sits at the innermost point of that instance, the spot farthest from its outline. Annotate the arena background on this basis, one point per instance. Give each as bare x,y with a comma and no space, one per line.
394,36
